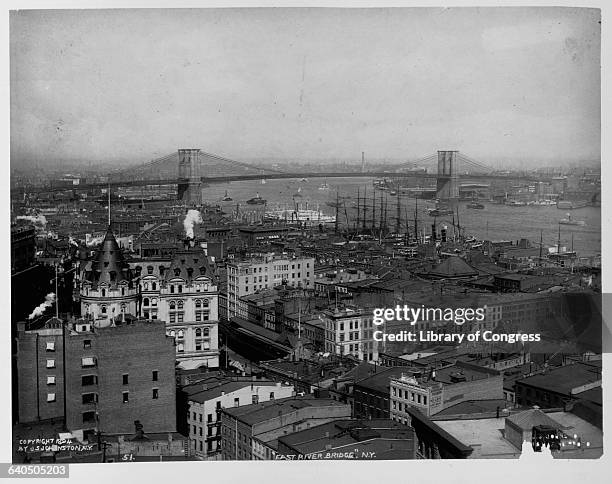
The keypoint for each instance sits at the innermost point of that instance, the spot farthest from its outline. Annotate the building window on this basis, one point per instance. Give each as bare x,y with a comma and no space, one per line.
209,417
50,345
180,348
89,417
255,399
125,377
51,380
180,317
50,363
86,344
236,402
155,393
198,333
155,375
126,397
271,395
88,398
89,380
50,397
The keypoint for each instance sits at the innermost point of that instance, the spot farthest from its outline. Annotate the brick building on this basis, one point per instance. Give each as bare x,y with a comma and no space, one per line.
100,377
251,432
442,388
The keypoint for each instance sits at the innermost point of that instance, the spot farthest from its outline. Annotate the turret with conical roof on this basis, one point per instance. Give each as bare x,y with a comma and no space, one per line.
106,290
109,265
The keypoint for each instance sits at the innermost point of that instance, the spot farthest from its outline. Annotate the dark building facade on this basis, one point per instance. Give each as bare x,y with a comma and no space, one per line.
107,377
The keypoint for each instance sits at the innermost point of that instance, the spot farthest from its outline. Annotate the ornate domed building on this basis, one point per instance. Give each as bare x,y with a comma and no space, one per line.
105,285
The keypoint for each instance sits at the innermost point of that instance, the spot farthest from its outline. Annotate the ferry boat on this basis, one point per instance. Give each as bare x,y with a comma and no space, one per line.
256,200
570,221
226,197
515,203
571,205
302,216
324,186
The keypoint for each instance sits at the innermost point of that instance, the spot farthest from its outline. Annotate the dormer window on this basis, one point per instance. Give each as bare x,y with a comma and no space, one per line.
113,276
149,269
202,270
190,272
177,272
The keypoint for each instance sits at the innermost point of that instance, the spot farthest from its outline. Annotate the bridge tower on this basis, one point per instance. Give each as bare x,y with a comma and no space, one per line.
190,184
447,178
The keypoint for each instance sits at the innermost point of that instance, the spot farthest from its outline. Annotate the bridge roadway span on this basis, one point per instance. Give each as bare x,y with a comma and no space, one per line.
278,176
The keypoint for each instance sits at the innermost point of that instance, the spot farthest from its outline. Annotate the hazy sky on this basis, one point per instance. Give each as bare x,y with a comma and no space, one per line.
133,85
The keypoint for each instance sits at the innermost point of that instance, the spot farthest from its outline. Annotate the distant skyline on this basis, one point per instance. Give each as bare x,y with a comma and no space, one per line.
125,86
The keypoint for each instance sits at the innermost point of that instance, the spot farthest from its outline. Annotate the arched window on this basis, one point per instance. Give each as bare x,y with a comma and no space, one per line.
198,333
149,269
205,303
145,301
153,302
206,332
123,307
172,333
198,303
123,291
146,286
154,286
103,292
103,309
172,288
180,347
181,333
172,305
180,304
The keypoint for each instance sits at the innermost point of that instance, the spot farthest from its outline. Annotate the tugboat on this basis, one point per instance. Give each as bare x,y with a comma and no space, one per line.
475,205
256,200
324,186
570,221
226,197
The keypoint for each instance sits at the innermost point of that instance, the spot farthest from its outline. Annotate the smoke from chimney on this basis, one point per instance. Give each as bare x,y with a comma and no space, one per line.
193,217
49,300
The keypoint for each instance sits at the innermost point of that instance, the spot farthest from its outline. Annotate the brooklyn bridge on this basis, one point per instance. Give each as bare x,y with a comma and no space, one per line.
191,169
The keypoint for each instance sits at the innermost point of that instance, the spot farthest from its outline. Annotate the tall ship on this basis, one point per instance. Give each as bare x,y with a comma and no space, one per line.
256,200
226,197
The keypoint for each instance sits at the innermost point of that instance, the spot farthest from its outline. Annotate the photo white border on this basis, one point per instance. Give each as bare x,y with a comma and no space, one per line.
377,472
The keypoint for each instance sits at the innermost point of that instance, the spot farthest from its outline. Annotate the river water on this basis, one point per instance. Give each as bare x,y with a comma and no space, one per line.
495,222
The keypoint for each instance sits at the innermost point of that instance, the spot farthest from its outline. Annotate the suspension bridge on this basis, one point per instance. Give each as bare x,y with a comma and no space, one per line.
190,169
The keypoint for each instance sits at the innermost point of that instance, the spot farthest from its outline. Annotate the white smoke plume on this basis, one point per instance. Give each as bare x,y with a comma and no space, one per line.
39,219
193,217
49,300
